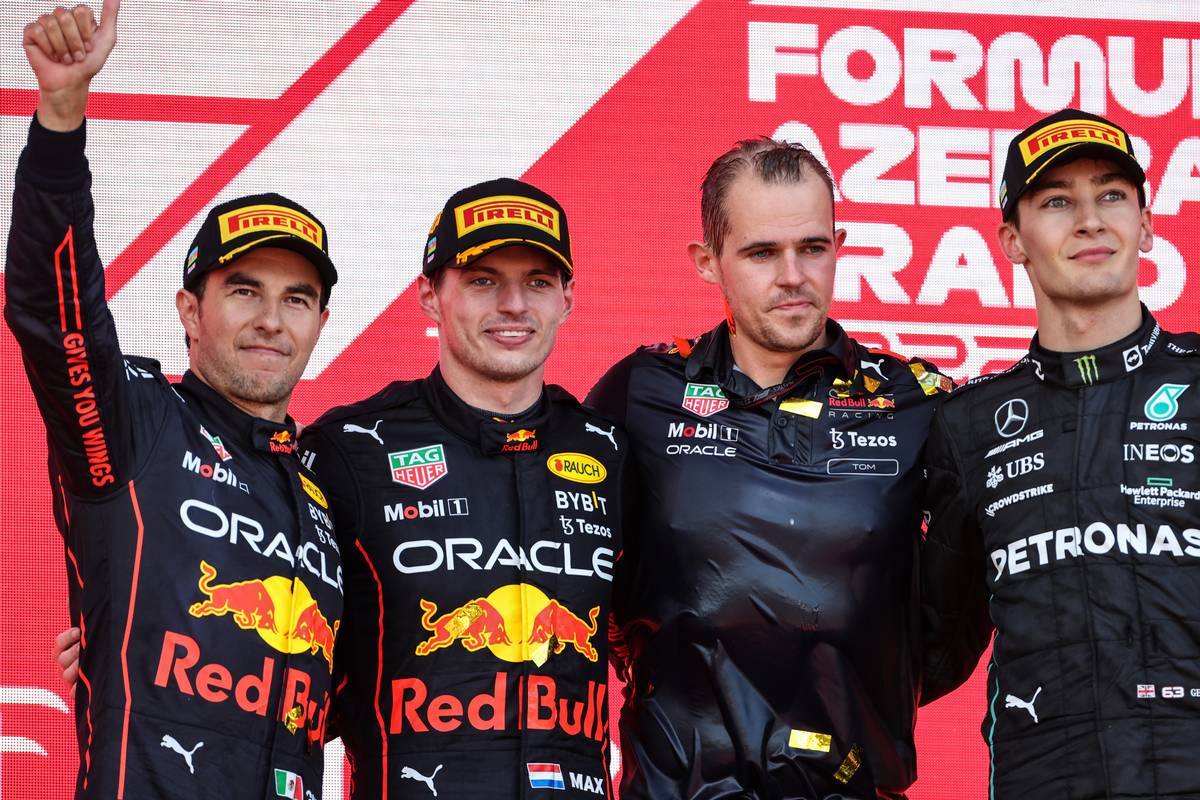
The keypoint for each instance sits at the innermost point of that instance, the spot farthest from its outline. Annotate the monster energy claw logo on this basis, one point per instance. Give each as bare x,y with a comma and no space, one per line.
1089,371
1163,404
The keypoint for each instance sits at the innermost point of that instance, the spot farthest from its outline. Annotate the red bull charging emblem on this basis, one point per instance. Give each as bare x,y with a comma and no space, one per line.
281,611
517,622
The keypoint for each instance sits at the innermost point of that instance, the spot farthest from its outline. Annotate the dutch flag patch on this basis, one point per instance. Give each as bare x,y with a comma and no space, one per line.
546,776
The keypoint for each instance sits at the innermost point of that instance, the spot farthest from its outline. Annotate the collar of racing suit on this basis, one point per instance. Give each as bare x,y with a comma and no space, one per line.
712,360
1101,365
492,434
262,434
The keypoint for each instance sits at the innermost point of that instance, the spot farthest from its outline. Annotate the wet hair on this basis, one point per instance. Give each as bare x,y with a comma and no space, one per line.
773,161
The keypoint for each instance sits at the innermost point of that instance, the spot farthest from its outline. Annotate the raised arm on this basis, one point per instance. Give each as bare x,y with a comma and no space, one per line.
54,280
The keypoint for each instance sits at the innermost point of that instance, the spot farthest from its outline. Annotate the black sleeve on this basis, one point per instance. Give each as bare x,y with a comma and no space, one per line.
56,308
609,397
956,625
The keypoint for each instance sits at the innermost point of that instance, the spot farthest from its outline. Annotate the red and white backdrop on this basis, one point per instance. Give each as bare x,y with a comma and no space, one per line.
371,113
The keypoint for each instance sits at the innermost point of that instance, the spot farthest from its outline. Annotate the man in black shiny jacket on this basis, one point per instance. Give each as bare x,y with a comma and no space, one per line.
1064,498
765,608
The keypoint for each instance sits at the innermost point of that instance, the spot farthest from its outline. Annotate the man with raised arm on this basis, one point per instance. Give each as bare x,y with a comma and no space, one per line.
202,568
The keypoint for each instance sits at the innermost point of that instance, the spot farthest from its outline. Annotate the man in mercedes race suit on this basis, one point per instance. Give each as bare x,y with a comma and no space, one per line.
201,570
766,608
1064,498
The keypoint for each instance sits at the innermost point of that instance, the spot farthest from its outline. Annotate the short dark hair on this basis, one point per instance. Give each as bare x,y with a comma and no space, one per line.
774,161
198,287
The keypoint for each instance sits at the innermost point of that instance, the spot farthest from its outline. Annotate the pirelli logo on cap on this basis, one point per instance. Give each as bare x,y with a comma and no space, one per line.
255,219
1070,131
507,210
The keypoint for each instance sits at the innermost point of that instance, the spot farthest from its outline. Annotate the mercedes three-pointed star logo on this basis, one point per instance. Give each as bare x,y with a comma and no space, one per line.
1011,417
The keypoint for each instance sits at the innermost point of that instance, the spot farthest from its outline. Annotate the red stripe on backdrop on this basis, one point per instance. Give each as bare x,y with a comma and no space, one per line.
274,118
151,107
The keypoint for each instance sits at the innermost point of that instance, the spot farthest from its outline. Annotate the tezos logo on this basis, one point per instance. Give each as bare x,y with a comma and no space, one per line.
1163,405
838,439
1011,417
419,467
704,399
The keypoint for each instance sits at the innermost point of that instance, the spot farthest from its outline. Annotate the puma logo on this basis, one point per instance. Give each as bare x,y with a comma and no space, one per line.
1012,701
607,434
875,365
350,427
413,775
171,743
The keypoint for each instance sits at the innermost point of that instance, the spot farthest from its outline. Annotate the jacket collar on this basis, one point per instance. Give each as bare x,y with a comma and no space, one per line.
712,361
493,434
1100,365
247,430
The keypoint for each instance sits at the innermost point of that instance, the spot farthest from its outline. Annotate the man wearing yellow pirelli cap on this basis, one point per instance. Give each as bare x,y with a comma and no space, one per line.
204,655
1063,497
480,515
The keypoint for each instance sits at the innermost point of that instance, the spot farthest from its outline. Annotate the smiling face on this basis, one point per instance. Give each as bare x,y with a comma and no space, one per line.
776,263
255,327
498,316
1078,232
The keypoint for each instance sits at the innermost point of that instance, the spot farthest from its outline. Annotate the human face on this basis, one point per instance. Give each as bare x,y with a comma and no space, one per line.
1080,233
499,315
255,327
776,264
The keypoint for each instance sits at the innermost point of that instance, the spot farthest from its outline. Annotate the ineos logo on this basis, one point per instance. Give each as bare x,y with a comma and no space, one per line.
1011,418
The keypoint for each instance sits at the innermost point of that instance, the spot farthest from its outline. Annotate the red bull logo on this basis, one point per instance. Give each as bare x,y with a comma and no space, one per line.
263,606
880,402
521,441
182,667
249,602
282,442
516,623
312,627
558,627
510,702
477,624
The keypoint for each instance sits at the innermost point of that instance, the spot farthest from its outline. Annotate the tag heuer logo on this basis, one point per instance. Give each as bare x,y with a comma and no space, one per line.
704,399
419,467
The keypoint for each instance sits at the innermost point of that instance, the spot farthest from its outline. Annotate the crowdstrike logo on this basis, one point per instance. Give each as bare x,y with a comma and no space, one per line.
1011,417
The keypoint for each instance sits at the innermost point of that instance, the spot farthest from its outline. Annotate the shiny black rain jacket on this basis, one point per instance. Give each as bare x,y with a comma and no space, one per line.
766,604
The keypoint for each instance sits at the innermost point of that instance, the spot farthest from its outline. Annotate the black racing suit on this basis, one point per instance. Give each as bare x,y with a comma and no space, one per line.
767,601
201,563
479,555
1065,504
